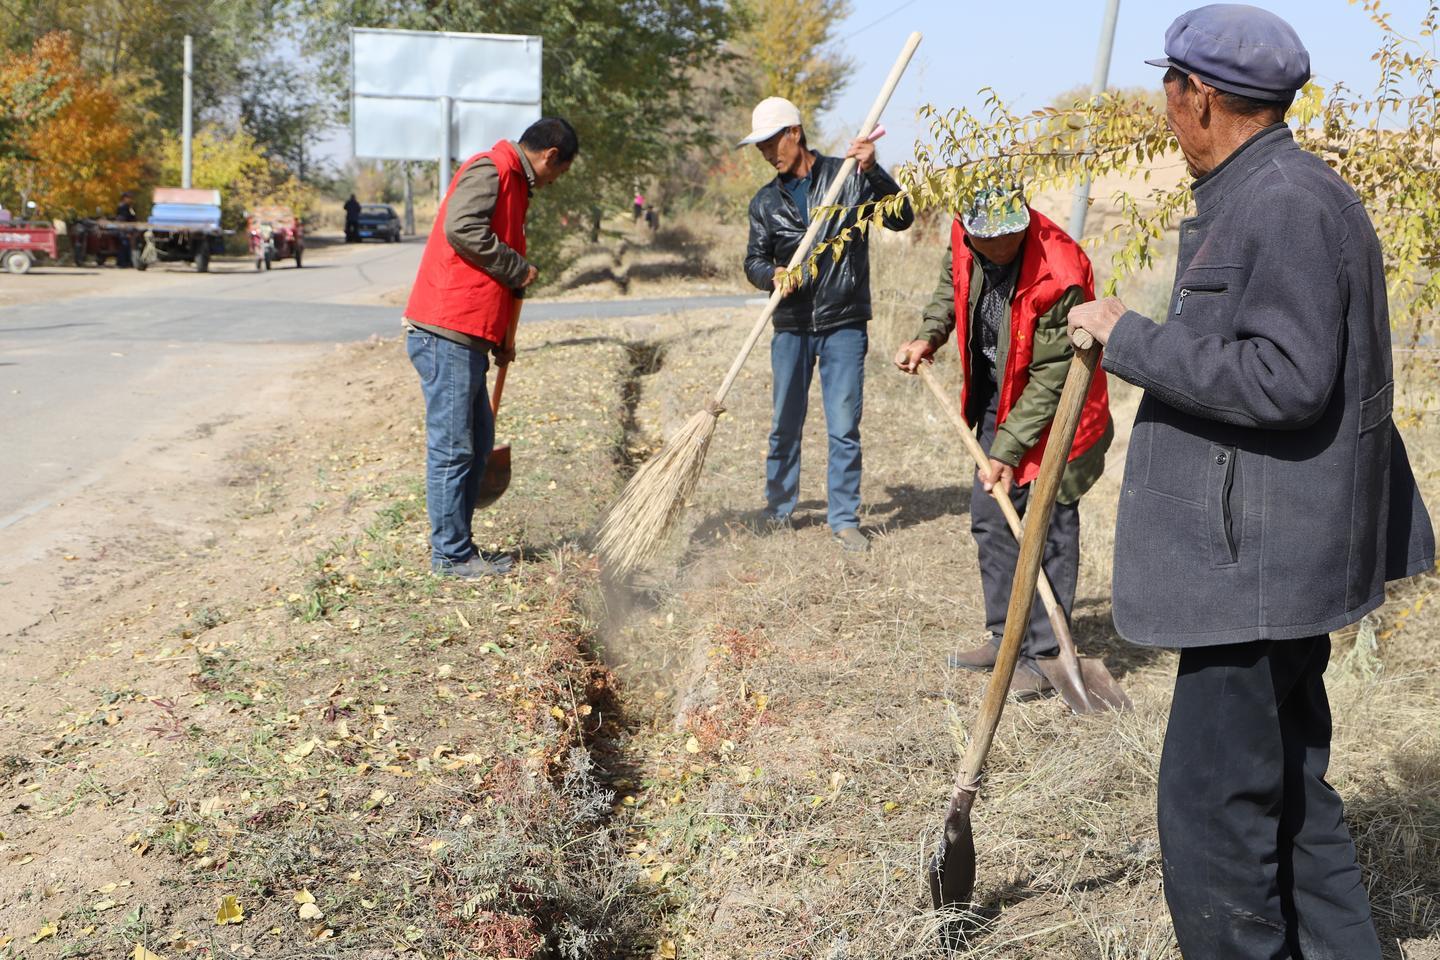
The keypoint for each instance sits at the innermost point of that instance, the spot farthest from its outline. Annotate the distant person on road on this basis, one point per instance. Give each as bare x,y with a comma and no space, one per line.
639,206
352,219
1008,282
125,213
471,274
823,320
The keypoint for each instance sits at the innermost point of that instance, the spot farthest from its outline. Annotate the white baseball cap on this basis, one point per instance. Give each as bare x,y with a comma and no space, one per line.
771,115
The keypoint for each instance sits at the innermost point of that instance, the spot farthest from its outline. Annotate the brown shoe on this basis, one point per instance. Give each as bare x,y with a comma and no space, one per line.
981,658
1029,683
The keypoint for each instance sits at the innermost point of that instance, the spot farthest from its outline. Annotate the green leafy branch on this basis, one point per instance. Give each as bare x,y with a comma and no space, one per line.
1386,145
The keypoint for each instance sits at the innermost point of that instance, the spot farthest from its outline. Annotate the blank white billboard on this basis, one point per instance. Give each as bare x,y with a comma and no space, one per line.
399,76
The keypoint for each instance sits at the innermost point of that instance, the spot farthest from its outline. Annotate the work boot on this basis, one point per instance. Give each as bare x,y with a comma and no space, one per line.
851,540
980,658
1028,683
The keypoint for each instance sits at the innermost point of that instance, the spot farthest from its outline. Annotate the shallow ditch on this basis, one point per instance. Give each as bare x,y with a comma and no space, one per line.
643,359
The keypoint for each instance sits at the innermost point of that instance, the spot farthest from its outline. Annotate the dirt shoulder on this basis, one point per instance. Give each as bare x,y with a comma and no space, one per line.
281,701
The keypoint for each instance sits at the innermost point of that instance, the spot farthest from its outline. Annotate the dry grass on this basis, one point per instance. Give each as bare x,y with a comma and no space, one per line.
799,773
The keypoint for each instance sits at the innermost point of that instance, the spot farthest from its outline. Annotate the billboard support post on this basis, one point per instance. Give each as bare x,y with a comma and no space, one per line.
447,143
409,199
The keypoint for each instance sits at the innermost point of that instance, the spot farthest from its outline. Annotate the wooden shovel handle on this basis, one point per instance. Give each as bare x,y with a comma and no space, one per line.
1069,659
831,196
1032,545
508,345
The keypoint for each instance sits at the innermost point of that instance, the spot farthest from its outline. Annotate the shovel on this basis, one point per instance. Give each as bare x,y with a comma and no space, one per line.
496,478
952,870
1084,683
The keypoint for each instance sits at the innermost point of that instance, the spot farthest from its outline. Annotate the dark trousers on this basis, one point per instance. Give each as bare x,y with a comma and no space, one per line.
999,552
1258,862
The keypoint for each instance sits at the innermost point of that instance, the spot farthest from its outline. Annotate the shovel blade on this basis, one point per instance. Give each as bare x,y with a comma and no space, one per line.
1098,690
952,869
1102,686
496,478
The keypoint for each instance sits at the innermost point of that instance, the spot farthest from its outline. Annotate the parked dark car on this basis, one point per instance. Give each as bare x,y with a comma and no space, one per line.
378,221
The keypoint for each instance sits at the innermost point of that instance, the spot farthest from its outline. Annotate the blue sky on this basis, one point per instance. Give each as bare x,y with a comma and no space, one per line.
1030,50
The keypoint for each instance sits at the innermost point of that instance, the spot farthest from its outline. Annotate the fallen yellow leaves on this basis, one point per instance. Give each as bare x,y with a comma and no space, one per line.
230,911
48,929
142,954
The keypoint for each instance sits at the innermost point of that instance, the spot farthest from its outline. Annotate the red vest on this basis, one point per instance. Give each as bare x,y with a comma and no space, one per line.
1050,264
451,292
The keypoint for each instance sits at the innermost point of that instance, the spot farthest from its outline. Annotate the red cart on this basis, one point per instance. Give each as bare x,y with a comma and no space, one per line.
21,243
275,234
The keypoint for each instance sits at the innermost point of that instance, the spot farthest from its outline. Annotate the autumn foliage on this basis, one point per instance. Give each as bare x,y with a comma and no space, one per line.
71,151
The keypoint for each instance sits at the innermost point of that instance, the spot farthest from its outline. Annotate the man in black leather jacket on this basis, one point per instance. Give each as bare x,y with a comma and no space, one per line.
823,319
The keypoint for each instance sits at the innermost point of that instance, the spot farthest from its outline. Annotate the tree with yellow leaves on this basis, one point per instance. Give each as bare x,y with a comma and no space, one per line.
788,44
234,162
67,147
1383,143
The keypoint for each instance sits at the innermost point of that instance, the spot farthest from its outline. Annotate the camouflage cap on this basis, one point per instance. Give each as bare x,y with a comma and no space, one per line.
996,212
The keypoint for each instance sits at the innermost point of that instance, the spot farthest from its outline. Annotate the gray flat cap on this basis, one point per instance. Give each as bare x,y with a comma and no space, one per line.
1239,49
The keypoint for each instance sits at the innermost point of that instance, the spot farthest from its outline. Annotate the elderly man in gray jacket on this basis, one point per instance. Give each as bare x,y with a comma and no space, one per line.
1267,498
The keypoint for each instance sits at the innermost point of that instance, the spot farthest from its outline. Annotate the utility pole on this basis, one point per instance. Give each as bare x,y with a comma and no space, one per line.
186,127
1097,87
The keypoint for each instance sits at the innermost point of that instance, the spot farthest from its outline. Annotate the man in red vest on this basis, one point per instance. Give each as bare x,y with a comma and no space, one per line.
1009,281
471,274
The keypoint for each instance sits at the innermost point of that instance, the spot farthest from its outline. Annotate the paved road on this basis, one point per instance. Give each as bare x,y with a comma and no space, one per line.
85,378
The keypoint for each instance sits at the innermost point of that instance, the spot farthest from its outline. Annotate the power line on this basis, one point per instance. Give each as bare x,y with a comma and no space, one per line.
883,17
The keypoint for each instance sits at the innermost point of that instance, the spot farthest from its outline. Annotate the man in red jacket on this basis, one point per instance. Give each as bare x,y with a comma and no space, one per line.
471,274
1009,281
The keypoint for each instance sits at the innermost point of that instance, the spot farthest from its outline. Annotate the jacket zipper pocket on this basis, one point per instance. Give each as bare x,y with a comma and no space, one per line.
1198,288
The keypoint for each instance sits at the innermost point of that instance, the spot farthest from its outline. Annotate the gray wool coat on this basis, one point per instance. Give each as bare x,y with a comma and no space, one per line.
1267,493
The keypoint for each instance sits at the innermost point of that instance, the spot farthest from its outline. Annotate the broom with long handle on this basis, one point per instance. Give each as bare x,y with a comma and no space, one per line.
637,523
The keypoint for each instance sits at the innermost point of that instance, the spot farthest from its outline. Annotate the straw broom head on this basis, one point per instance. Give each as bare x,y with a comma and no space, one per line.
636,526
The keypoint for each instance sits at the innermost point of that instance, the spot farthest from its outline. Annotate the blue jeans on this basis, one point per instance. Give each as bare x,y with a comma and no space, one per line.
841,357
459,435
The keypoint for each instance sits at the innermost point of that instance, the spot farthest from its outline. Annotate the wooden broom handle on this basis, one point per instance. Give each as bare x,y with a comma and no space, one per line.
831,195
508,345
1032,546
1053,610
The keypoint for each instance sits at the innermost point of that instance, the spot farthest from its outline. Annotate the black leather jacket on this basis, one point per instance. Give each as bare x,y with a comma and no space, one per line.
839,293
